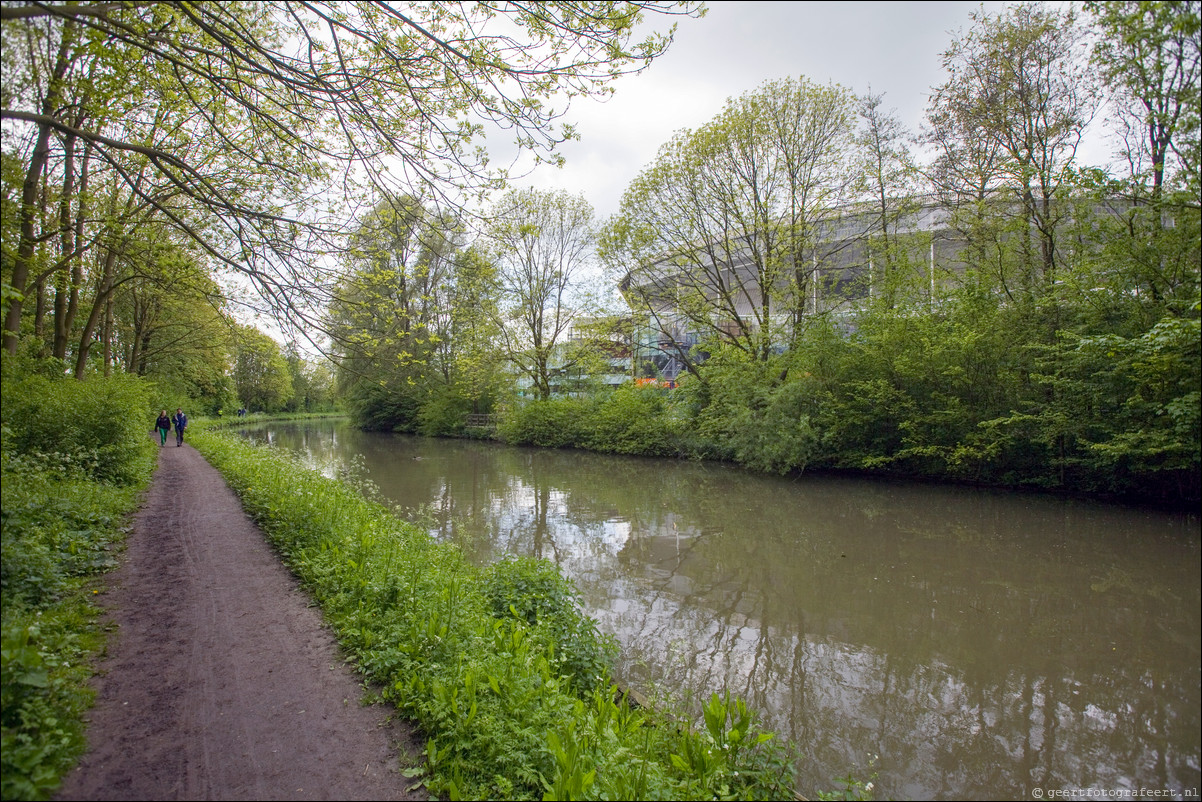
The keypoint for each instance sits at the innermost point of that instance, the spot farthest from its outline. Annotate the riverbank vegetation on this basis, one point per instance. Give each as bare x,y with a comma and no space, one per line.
148,194
505,674
801,292
74,457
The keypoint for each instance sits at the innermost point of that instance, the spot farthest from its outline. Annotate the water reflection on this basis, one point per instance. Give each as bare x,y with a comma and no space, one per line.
981,644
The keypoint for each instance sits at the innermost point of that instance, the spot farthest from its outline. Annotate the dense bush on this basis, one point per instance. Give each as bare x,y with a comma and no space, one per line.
634,420
753,415
628,420
534,592
73,459
983,394
443,413
969,389
98,427
390,407
554,423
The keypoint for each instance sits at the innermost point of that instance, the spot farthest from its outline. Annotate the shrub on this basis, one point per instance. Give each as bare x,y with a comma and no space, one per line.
43,695
534,591
443,413
757,415
554,423
634,420
98,427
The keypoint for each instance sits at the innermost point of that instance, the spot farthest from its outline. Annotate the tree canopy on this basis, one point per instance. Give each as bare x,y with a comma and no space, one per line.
252,127
726,220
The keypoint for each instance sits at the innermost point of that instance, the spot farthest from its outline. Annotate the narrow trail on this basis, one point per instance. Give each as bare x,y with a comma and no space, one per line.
220,681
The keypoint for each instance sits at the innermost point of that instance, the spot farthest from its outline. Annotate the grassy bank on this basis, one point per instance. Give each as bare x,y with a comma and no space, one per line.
74,459
508,679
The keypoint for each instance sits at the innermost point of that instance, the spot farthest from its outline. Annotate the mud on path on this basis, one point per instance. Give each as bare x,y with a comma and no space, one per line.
220,681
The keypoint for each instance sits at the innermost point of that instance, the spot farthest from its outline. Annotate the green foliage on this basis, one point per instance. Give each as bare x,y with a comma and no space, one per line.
529,589
43,694
97,428
968,390
628,420
1122,414
73,458
262,377
533,591
553,423
173,315
56,529
752,412
255,215
415,322
498,666
443,413
386,406
312,384
746,188
635,420
540,241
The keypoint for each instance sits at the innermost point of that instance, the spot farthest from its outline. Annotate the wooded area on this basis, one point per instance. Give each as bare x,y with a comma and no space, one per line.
166,163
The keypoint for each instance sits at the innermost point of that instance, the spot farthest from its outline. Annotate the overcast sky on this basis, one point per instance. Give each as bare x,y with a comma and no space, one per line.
894,47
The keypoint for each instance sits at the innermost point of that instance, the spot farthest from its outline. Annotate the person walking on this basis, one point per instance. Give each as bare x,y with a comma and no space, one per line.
181,423
163,425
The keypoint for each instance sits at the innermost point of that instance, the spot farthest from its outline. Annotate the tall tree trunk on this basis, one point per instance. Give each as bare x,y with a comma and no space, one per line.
29,192
77,262
104,288
66,248
107,334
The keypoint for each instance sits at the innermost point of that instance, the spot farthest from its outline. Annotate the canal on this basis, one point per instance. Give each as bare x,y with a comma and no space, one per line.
946,643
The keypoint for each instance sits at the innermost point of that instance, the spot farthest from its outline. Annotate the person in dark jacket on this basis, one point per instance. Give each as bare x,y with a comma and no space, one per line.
163,425
181,423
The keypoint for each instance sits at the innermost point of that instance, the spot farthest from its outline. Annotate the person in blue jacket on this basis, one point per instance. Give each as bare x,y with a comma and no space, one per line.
181,423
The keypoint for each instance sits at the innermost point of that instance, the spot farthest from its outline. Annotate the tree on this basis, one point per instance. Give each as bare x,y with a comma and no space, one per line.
390,317
888,175
258,106
720,238
312,382
401,257
169,322
1148,54
470,355
261,376
1018,82
542,242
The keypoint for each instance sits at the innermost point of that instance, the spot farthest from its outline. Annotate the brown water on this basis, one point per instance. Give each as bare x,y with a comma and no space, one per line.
955,643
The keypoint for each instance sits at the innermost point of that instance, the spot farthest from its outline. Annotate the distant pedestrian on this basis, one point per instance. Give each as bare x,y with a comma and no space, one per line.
181,423
163,425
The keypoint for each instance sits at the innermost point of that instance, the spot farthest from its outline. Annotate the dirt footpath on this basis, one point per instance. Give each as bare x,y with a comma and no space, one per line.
220,682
